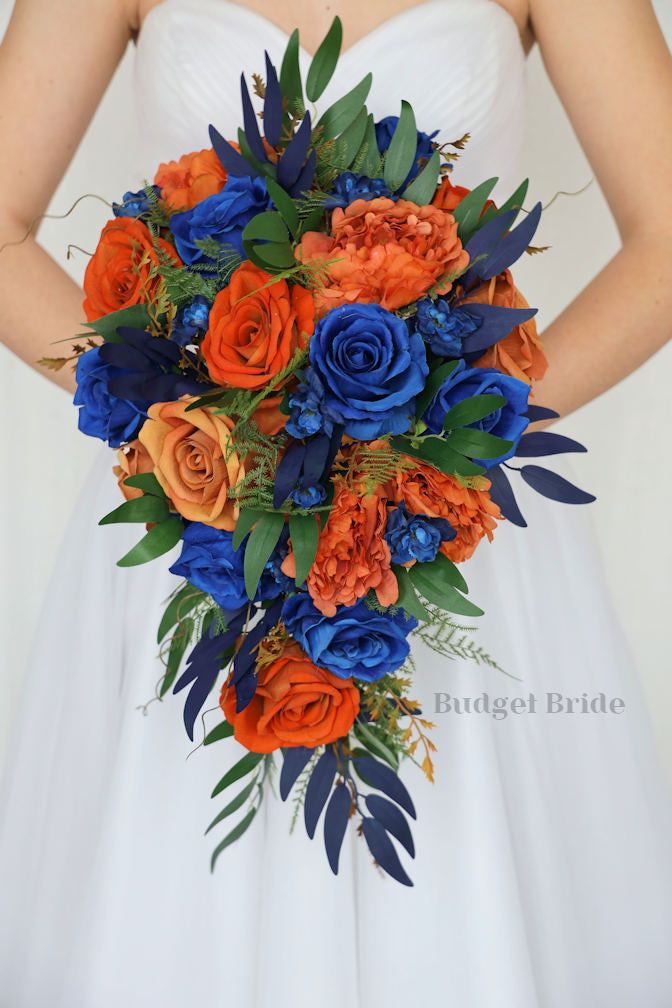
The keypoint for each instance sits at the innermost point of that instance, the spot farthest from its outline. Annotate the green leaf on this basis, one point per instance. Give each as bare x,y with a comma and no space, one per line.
274,256
267,226
140,509
408,599
370,741
436,452
285,205
442,594
135,316
472,409
304,532
179,606
448,573
422,188
476,443
290,72
246,519
468,211
233,806
401,153
222,731
514,202
351,139
345,111
147,482
234,835
263,540
324,61
240,769
178,645
370,165
158,541
434,382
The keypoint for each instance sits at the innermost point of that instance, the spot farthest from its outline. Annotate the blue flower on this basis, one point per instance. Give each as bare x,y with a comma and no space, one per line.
442,328
310,496
415,537
103,414
357,641
209,561
134,204
221,217
425,148
371,369
509,421
190,319
306,409
349,187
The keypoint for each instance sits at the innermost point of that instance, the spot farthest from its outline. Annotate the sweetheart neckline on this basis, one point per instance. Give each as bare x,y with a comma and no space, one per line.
356,45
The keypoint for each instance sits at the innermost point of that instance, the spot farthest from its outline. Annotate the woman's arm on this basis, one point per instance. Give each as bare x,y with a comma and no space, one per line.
55,63
613,72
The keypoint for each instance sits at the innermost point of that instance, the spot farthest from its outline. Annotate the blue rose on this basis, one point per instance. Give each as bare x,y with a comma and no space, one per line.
357,641
425,148
221,217
190,319
102,414
443,328
135,204
349,187
371,368
209,561
306,409
509,421
415,537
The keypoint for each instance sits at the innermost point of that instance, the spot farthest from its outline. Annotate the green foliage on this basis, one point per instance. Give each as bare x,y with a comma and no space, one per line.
324,61
421,190
409,599
147,482
438,583
290,77
140,509
451,640
435,451
221,731
400,155
304,531
159,540
472,410
343,113
468,211
263,540
135,316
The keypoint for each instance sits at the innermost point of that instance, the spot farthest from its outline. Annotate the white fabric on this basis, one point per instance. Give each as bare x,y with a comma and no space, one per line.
543,876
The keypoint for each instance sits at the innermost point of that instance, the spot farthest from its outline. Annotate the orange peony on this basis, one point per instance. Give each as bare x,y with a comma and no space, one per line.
469,510
254,330
295,704
194,461
195,176
521,353
385,252
133,460
119,272
352,555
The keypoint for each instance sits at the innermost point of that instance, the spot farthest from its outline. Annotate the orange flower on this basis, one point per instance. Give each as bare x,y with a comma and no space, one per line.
119,271
521,353
194,461
254,330
295,704
448,196
352,555
195,176
268,417
470,510
133,460
385,252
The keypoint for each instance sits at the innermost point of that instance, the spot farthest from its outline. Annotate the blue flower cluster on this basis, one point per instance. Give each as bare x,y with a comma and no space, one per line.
415,537
135,204
349,187
191,319
441,327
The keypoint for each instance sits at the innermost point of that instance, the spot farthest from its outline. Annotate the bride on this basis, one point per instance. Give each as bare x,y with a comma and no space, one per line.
545,878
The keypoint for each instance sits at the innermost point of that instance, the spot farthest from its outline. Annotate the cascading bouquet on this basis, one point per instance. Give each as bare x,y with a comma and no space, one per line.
308,349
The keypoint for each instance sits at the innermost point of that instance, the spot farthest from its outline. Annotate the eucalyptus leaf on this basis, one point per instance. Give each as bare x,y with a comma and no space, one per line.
351,139
421,190
147,482
408,598
370,741
139,509
290,72
401,154
267,226
263,540
468,211
179,606
233,806
367,159
437,453
476,443
345,111
221,731
159,540
433,384
440,593
135,317
285,205
304,532
324,61
242,768
472,410
246,519
178,645
231,837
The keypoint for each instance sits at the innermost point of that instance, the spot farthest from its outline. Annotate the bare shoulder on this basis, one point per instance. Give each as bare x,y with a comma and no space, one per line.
521,13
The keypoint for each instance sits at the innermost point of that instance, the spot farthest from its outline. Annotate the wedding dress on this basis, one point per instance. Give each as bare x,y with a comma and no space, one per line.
543,876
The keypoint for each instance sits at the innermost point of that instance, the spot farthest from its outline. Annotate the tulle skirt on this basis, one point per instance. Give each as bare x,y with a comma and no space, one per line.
542,875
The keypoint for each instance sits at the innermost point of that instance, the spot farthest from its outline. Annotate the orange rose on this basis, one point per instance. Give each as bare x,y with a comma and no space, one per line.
268,417
521,353
119,272
470,510
448,196
295,704
195,176
385,252
352,555
133,460
194,461
254,330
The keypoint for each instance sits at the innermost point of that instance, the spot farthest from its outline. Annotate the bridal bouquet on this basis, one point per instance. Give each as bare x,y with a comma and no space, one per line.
309,352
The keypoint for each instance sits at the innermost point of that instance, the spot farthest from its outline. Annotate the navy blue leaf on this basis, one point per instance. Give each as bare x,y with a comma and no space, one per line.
483,243
288,472
317,452
549,484
494,323
538,443
244,676
232,161
272,105
251,124
294,761
203,666
382,850
291,162
502,494
335,824
511,247
394,821
318,789
306,176
535,413
382,777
